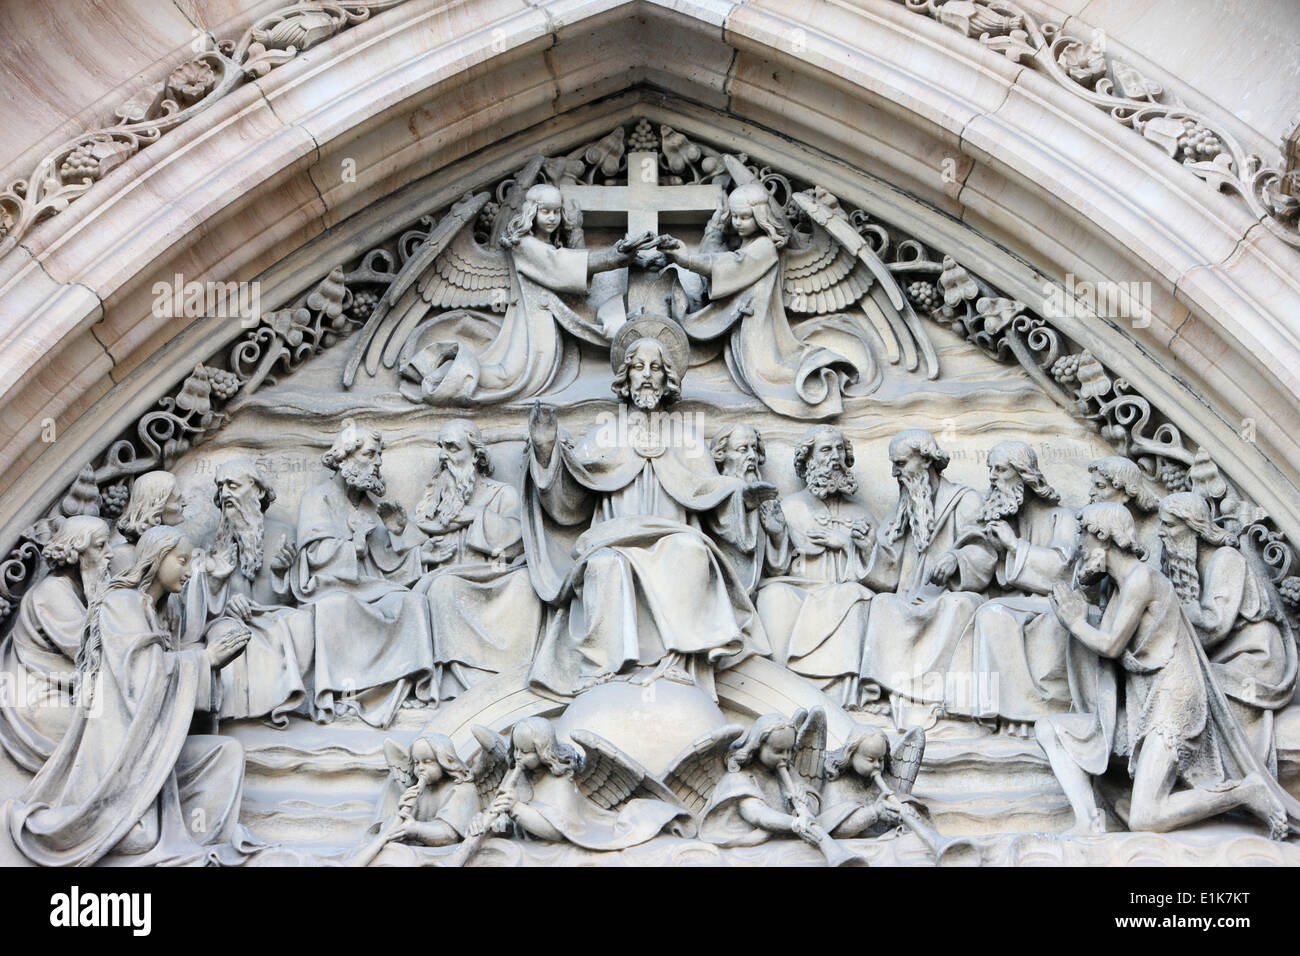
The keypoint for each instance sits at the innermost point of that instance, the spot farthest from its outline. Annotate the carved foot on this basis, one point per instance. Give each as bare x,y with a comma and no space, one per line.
414,703
590,682
1258,795
1015,728
1093,826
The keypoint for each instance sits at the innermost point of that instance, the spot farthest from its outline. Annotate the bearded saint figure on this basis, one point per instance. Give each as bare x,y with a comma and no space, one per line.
642,586
38,656
932,558
356,555
242,573
481,602
1236,613
816,616
758,545
1011,664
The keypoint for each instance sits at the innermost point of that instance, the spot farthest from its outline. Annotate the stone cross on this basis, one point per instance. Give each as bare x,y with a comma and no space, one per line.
642,201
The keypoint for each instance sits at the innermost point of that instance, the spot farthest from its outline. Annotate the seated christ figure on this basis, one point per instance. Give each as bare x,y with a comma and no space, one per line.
613,535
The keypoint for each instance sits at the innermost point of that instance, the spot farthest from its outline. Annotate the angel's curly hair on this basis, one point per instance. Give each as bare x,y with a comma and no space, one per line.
1194,511
805,449
1111,522
444,751
743,750
758,200
522,224
862,735
561,759
1124,474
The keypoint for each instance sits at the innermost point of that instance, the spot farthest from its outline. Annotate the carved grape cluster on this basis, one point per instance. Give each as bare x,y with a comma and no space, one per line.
643,138
80,165
224,384
924,295
112,500
1066,369
1174,477
1289,588
363,303
1197,142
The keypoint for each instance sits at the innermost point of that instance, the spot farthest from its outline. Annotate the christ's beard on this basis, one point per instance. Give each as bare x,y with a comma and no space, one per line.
94,578
240,535
361,477
1003,501
917,506
447,495
829,477
647,397
1180,568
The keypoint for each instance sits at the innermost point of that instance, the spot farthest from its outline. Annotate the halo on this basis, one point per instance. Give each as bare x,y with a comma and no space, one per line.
660,328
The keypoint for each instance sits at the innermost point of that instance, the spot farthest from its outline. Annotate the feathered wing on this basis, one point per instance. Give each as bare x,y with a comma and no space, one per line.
834,272
610,778
904,761
697,770
810,748
490,764
400,769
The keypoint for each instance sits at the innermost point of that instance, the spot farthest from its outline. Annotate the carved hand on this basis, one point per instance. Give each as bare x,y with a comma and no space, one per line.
861,531
240,606
1070,606
1003,534
771,517
393,515
758,491
944,569
227,647
542,431
284,558
831,538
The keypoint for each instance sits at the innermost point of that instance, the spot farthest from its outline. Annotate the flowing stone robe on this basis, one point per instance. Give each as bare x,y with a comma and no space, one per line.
1252,659
749,549
642,580
789,375
485,614
271,677
450,801
816,617
372,633
38,660
127,783
913,632
1167,691
721,822
1011,660
550,292
558,801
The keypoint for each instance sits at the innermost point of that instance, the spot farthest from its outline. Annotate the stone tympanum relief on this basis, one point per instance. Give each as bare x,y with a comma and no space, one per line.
627,507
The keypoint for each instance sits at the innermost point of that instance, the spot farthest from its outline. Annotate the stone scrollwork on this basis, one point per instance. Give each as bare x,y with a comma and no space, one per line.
1083,67
66,173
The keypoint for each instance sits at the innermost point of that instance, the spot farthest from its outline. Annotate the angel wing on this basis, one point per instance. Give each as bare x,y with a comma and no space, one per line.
837,269
610,778
904,761
450,270
697,770
400,769
489,765
810,747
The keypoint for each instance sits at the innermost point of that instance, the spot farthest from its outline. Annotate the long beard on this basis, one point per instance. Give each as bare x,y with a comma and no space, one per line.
829,477
647,397
916,510
361,477
745,470
94,579
1002,502
447,495
240,536
1180,568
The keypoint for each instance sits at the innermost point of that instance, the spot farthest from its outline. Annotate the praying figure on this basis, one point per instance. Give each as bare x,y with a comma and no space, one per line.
1237,615
38,656
642,585
816,615
128,784
481,602
757,545
356,557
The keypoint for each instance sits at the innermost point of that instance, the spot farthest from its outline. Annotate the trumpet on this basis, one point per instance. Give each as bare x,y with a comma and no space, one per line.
469,846
948,851
366,855
835,852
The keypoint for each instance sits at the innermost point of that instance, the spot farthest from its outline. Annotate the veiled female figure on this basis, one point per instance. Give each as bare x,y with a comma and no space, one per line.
127,783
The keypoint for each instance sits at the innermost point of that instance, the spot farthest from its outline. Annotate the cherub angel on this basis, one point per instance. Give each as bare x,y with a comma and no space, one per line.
588,793
760,271
749,786
430,798
534,267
